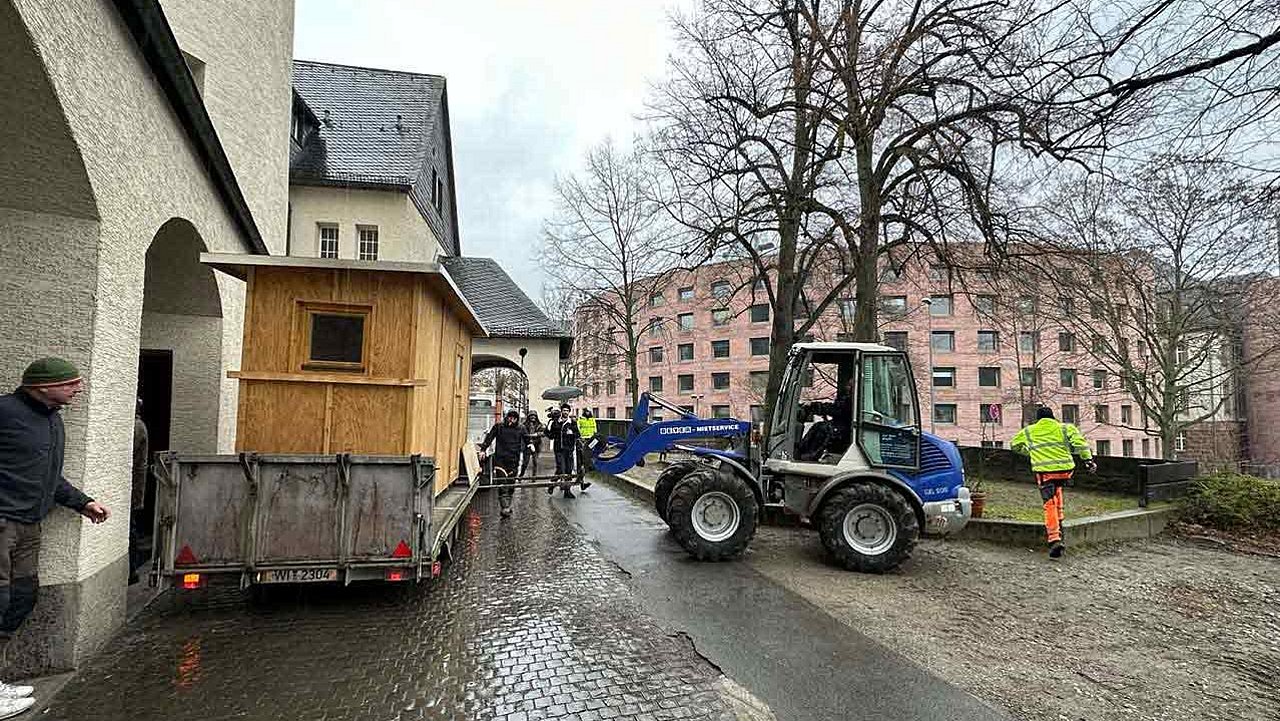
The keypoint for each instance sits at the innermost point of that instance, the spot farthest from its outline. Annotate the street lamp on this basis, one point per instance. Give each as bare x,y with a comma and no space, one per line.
928,308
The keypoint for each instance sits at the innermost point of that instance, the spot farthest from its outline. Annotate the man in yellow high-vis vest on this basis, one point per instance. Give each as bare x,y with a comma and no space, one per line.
1052,447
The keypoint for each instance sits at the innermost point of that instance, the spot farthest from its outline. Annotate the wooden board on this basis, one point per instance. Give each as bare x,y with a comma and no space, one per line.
472,459
368,420
281,417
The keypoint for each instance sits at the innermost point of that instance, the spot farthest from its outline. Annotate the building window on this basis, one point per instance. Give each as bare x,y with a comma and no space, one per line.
1029,341
1146,447
944,413
631,387
1180,442
893,305
759,346
328,241
1099,379
629,412
368,242
988,341
335,337
655,354
719,411
655,384
1067,304
759,286
655,327
719,317
685,294
1030,377
939,305
759,381
1067,377
760,313
757,414
1142,349
720,349
1070,413
993,444
684,383
1104,448
719,381
686,321
896,339
439,196
611,412
611,388
1066,342
721,289
1126,415
595,391
990,413
943,341
656,300
1026,305
848,309
1126,448
944,377
890,274
985,304
989,377
684,351
1102,413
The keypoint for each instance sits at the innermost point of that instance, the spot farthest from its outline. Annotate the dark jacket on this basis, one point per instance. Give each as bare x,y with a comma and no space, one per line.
507,442
563,433
32,439
533,431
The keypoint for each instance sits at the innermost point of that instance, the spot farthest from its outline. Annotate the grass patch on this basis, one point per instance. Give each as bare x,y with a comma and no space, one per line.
1021,502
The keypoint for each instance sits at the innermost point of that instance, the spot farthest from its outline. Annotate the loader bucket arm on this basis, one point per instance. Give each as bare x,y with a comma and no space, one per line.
620,454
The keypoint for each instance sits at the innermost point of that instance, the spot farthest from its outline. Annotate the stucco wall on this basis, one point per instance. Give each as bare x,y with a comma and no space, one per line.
541,365
402,233
196,342
247,49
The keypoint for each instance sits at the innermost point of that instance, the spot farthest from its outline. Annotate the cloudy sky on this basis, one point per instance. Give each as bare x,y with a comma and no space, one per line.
531,86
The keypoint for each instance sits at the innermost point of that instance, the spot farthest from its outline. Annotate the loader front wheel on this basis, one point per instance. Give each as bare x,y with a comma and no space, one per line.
667,481
712,515
869,528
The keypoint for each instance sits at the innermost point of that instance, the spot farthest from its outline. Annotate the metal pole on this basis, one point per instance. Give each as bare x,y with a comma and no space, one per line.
928,309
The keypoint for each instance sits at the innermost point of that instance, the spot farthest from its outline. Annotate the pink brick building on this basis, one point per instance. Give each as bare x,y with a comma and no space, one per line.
980,354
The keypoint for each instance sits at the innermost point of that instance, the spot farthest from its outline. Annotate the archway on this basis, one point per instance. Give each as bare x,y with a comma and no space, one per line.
498,384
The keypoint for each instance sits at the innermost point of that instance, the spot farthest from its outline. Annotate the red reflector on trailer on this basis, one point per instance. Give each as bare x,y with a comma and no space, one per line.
435,569
190,580
402,551
395,575
185,557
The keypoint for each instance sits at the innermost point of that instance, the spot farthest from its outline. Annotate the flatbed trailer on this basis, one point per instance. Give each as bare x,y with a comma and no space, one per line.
297,518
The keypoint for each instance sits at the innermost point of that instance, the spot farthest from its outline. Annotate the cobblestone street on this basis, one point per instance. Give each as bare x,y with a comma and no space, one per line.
531,622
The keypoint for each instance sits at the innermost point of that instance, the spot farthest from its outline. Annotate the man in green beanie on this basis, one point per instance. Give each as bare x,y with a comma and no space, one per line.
32,437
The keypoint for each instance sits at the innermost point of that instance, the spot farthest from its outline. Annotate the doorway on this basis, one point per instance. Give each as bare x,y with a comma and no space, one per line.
155,388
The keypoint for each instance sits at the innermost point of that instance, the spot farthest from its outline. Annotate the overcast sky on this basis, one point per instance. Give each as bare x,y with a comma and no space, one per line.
531,86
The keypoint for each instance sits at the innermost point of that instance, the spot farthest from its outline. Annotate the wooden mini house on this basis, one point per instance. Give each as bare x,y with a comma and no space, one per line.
344,356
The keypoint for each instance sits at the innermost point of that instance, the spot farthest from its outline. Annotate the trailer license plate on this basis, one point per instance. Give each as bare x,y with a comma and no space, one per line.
298,575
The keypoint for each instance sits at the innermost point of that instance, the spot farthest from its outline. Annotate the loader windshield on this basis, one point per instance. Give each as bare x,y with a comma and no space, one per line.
888,425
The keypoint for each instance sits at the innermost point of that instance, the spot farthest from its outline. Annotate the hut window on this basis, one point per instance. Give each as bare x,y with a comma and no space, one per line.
336,340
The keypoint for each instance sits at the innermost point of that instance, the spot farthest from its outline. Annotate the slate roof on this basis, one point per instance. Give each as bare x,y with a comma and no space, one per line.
503,308
375,129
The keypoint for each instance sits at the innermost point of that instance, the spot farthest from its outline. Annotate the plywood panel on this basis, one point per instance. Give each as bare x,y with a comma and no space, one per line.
281,417
429,369
368,420
393,297
271,318
446,448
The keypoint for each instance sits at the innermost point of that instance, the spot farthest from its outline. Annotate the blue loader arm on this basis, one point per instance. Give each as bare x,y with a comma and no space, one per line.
620,454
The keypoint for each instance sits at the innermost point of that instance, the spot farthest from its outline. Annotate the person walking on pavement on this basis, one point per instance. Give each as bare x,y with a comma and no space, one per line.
138,496
533,434
1051,447
32,438
588,437
508,440
563,431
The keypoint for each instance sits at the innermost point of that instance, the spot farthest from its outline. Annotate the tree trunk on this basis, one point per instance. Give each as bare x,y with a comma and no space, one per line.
784,317
865,325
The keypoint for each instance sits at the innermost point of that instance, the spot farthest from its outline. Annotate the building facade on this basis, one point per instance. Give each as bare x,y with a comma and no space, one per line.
133,136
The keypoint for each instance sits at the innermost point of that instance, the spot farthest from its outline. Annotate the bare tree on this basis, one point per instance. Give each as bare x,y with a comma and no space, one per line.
1165,271
609,247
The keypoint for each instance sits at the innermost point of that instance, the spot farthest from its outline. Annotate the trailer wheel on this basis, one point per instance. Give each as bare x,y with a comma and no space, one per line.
667,481
712,515
869,528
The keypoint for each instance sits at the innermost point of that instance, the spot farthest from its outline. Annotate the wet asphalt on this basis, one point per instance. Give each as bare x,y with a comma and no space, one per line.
787,652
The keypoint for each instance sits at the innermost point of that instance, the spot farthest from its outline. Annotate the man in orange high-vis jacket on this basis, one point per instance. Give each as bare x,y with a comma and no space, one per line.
1051,447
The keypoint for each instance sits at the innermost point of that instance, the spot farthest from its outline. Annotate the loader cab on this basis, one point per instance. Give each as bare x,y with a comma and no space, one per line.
845,406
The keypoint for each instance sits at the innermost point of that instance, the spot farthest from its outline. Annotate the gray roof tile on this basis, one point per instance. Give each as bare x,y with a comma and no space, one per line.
503,308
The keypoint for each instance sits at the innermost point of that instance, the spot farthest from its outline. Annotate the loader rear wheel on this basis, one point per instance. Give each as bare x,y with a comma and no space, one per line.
712,515
667,481
869,528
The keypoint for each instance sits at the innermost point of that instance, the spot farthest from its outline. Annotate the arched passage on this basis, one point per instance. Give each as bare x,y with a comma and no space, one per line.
180,343
498,384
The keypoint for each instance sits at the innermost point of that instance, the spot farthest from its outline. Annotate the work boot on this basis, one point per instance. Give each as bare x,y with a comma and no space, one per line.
1056,549
585,484
568,492
505,502
10,707
8,691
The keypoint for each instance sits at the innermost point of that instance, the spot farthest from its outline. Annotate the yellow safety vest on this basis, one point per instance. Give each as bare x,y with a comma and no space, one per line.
587,427
1050,445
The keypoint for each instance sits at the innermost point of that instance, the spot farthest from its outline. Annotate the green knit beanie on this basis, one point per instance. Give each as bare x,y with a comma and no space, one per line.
49,372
